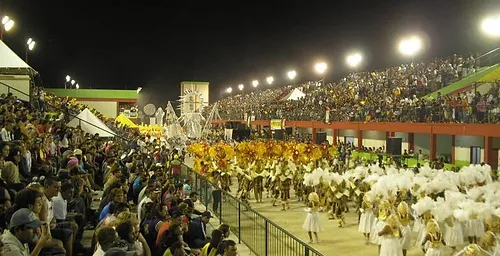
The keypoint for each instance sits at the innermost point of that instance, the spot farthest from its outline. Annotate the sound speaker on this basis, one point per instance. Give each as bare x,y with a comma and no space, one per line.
278,134
241,126
289,130
320,137
393,146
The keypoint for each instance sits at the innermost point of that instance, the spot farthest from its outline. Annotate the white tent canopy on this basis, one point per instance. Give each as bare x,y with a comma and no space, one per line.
91,124
294,95
9,59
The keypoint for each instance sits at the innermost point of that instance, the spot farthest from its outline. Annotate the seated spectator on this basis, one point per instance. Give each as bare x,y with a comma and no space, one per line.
105,236
226,230
116,195
193,197
152,196
130,232
196,237
175,218
72,220
210,249
155,214
22,230
227,248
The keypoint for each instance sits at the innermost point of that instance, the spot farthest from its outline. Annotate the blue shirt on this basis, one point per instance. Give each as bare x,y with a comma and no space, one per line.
104,212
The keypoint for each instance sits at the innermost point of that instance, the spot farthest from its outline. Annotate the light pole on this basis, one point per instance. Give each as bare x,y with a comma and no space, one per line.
229,90
241,86
491,26
68,78
410,46
77,86
30,45
291,75
320,69
270,80
7,24
72,83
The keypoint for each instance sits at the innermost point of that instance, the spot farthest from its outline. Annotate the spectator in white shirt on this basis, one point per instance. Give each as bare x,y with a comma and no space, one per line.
152,195
6,132
105,236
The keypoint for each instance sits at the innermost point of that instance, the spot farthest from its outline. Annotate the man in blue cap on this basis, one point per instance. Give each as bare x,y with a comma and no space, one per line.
22,231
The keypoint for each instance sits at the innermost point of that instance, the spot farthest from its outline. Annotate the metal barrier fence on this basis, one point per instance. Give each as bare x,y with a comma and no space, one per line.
261,235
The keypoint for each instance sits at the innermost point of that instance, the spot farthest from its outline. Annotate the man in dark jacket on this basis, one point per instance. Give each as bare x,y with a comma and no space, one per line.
196,237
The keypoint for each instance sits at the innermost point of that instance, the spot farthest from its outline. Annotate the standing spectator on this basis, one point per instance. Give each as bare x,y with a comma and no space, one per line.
6,132
196,236
175,165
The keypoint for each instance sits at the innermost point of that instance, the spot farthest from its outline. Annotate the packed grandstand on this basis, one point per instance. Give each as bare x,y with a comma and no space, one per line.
396,94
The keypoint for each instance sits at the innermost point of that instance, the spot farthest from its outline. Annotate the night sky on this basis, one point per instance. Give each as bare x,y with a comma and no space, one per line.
158,44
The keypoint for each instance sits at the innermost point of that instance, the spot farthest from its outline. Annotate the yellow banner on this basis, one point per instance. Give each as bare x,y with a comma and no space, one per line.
275,124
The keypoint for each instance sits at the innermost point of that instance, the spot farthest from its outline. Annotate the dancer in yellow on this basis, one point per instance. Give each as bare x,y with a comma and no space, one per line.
390,235
405,218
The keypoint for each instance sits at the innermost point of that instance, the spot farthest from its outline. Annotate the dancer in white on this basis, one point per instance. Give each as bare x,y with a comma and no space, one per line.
435,239
405,218
384,210
312,224
367,218
390,236
453,234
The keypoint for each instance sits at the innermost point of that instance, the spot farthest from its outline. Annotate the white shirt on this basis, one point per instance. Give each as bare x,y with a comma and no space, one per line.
50,210
12,246
6,135
29,161
139,206
99,252
60,207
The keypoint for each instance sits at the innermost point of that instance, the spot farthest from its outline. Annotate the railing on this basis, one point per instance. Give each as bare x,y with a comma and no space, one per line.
490,58
261,235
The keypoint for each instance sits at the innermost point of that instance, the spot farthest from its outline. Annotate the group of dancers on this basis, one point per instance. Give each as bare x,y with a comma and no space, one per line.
399,209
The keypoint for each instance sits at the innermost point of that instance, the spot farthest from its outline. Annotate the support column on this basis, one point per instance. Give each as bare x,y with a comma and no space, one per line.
314,131
360,139
335,137
452,149
432,153
392,134
259,128
411,142
488,150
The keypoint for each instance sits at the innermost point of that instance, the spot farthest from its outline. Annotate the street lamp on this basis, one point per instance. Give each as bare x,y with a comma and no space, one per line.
410,46
270,79
241,86
229,90
491,26
255,83
354,60
77,86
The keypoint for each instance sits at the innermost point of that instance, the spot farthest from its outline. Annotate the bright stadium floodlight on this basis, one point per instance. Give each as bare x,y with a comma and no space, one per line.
77,86
320,67
72,82
9,25
68,78
292,74
139,89
270,80
31,44
354,60
5,19
491,26
410,46
241,86
229,90
255,83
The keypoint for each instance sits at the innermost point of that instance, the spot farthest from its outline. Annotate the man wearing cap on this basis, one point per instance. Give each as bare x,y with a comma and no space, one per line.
22,231
196,237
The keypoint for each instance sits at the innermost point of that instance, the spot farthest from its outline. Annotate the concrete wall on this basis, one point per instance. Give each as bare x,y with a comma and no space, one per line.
107,108
20,83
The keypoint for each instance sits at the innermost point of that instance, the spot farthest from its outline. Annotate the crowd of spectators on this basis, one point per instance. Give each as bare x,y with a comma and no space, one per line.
396,94
50,175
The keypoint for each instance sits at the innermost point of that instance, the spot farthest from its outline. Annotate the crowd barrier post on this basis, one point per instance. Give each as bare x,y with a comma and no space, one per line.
239,222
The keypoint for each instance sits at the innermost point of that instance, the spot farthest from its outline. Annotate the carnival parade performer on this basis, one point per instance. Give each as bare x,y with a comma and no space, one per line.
367,219
390,237
405,219
435,239
312,223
